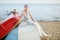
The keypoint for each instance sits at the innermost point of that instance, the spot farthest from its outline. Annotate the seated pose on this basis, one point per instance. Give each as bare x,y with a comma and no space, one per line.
27,16
29,31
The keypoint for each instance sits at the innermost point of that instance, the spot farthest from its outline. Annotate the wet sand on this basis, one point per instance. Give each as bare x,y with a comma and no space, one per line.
52,28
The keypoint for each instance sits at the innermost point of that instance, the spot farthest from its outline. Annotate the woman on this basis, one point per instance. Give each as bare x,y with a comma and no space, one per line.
29,27
27,15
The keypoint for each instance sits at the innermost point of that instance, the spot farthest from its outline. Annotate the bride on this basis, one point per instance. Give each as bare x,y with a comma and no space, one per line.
29,29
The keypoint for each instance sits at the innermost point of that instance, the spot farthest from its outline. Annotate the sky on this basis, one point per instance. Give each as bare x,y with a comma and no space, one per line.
29,1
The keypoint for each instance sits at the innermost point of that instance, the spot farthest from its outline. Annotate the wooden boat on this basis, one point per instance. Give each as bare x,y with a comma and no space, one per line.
7,26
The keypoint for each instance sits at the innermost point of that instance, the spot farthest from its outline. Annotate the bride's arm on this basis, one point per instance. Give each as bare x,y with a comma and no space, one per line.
31,16
22,13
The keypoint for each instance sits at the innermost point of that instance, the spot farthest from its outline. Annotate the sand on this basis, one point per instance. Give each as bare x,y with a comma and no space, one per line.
51,28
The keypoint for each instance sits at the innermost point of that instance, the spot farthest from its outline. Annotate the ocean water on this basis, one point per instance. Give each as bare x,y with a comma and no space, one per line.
46,12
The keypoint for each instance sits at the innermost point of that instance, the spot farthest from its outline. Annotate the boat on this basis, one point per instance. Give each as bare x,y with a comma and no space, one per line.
9,25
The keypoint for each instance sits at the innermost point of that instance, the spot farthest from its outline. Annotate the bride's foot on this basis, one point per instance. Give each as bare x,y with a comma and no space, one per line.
48,35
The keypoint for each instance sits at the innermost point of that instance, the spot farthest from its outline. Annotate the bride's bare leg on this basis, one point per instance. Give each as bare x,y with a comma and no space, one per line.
41,31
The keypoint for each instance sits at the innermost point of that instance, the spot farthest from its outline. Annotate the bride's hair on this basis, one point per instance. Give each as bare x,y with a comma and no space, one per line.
26,5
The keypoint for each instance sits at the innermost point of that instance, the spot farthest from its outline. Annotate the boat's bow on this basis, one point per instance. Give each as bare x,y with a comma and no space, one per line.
8,25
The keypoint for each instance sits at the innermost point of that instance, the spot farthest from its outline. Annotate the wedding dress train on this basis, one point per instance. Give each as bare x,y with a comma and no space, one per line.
32,31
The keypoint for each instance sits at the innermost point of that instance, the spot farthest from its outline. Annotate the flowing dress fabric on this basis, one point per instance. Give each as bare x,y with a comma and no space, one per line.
27,30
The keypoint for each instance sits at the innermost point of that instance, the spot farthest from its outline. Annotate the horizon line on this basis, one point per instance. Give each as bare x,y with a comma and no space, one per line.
30,3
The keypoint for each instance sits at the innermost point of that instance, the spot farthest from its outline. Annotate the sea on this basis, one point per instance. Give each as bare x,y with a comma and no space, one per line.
43,12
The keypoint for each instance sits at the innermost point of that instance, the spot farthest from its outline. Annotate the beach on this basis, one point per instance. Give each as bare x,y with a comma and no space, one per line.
51,28
46,13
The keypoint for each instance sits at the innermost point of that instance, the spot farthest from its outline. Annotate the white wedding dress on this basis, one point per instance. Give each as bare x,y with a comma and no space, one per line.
29,30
